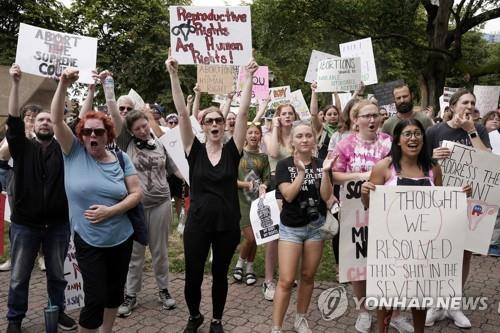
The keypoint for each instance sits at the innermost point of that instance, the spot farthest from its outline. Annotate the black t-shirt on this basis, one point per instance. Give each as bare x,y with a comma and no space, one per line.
292,215
440,132
214,189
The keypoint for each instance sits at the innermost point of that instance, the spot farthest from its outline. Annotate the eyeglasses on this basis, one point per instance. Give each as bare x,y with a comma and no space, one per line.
97,131
408,134
209,121
369,116
123,108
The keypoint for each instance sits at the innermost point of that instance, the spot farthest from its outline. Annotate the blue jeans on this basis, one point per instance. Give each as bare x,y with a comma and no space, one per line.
24,246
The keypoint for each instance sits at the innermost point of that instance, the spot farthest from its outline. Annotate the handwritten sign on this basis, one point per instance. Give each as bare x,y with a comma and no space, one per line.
363,49
481,170
312,69
416,244
353,239
138,101
265,218
343,74
279,96
260,88
486,98
211,35
215,79
47,53
383,91
73,294
300,105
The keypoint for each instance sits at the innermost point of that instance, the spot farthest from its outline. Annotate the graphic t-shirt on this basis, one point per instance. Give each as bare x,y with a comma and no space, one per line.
292,215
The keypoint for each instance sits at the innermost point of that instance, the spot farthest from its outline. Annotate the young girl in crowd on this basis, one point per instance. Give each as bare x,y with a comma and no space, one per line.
213,219
305,184
253,179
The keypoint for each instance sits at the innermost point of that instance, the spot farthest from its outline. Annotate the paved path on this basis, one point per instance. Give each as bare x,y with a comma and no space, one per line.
247,311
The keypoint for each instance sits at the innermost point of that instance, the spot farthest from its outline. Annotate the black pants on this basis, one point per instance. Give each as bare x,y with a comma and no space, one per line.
196,247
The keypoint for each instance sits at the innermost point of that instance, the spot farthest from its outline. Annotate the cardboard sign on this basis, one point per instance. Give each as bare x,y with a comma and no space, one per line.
383,91
279,96
481,170
486,98
47,53
73,294
416,244
342,74
312,69
138,101
215,79
300,105
265,218
260,88
353,240
363,49
211,35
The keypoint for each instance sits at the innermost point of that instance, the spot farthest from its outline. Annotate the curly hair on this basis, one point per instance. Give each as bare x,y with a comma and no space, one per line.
108,125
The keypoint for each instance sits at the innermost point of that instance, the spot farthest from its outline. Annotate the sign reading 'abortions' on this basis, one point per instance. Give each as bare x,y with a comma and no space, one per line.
47,53
211,35
416,244
342,74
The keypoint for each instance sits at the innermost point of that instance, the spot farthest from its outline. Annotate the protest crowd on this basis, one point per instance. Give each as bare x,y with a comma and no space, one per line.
108,180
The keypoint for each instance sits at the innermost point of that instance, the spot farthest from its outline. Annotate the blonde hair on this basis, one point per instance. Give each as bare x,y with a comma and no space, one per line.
210,110
359,105
294,129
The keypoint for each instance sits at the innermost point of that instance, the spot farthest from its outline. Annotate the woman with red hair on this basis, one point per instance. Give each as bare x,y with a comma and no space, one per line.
99,195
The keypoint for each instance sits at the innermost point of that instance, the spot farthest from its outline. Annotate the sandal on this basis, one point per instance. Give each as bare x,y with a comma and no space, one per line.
250,279
238,274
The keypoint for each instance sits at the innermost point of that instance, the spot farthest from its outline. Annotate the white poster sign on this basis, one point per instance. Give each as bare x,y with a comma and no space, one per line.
265,218
279,95
73,294
300,105
416,245
211,35
138,101
312,69
486,98
342,74
47,53
481,170
363,49
172,142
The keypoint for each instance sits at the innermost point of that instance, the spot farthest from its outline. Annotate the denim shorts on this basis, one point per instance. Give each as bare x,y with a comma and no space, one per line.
310,232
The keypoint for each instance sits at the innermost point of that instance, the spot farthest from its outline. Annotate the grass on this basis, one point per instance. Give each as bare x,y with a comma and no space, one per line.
326,270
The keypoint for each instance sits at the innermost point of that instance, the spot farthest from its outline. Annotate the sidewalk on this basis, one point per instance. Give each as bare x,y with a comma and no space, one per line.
247,311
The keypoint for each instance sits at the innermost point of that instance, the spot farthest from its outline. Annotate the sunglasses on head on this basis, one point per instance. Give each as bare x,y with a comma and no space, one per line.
218,121
97,131
257,123
123,108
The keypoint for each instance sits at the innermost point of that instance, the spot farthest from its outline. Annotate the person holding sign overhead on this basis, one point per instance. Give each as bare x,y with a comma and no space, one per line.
213,218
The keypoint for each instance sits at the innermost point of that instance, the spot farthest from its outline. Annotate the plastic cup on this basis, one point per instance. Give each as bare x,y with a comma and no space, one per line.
51,314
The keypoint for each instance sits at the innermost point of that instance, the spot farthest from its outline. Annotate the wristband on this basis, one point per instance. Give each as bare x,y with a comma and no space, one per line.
472,134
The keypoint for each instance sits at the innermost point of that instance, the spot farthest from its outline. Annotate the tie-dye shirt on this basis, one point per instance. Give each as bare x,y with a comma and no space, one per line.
358,155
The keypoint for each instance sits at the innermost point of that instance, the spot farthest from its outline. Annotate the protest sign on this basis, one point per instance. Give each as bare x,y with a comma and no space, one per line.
312,69
342,74
362,48
260,88
390,108
211,35
73,294
47,53
444,99
279,95
416,245
480,169
215,79
353,239
383,91
300,105
265,218
138,101
486,98
172,142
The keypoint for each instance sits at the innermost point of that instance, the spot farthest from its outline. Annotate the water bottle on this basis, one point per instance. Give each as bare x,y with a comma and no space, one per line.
109,88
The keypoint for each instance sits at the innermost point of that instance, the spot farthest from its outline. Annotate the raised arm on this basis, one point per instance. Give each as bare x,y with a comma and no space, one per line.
62,131
15,75
186,130
336,101
87,105
262,108
314,109
112,105
189,102
197,98
152,122
240,127
227,104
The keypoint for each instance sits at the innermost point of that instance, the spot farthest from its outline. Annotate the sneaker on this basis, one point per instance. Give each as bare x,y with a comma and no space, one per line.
216,327
165,299
459,319
66,323
301,325
401,324
494,251
41,264
5,267
276,330
268,290
14,327
127,306
193,324
364,322
433,315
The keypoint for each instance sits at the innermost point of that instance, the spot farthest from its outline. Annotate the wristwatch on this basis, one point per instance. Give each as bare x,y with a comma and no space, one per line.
472,134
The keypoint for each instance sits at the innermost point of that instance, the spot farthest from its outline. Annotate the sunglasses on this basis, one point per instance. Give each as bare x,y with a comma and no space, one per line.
172,122
97,131
123,108
209,121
